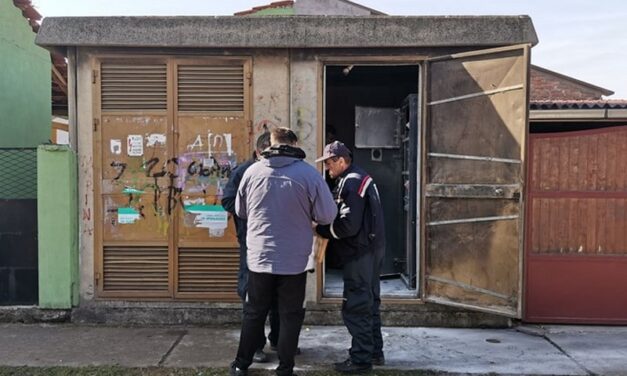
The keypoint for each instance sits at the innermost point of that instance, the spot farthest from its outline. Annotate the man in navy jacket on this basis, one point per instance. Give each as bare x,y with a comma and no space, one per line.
358,236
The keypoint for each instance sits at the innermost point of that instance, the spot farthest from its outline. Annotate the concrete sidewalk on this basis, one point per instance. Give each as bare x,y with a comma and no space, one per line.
554,350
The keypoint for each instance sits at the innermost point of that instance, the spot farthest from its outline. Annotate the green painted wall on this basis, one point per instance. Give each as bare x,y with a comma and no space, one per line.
25,82
287,11
57,211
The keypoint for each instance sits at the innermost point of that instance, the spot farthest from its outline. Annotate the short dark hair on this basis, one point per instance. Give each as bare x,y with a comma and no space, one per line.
283,135
263,141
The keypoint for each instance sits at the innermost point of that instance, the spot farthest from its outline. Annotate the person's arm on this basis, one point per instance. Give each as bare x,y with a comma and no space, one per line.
240,200
230,191
349,219
324,207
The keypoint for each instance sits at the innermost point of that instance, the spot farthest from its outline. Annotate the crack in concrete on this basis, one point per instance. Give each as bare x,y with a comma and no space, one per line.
549,340
167,354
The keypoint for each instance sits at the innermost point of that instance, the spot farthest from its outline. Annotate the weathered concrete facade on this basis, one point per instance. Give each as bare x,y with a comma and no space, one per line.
288,55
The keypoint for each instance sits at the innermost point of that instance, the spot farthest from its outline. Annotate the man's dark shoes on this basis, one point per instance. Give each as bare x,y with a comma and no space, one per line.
378,360
260,356
234,371
349,367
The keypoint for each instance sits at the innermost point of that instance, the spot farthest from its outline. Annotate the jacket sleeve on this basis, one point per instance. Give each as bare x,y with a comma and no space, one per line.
240,199
349,219
230,191
324,208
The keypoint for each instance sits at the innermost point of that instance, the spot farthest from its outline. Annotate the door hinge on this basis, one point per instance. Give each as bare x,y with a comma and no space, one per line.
96,124
249,77
97,279
94,76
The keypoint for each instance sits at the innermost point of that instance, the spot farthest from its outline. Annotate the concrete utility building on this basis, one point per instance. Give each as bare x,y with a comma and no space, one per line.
163,108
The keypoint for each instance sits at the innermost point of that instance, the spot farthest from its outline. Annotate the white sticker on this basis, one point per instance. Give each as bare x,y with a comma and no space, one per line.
155,139
212,217
116,147
135,146
127,216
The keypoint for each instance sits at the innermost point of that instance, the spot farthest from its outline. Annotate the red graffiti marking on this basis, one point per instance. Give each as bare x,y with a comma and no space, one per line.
86,214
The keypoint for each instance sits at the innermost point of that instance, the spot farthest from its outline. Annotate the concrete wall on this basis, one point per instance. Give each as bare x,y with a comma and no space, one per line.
304,102
25,82
271,90
82,67
329,8
57,223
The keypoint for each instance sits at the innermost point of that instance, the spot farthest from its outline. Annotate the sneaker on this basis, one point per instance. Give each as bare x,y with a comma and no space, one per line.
378,360
349,367
234,371
260,356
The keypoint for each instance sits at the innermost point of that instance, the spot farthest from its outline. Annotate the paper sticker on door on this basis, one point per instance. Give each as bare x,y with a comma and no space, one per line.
135,145
212,217
116,147
127,216
155,139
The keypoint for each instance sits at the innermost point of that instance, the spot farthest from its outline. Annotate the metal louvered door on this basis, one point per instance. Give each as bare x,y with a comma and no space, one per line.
211,117
476,124
166,135
133,141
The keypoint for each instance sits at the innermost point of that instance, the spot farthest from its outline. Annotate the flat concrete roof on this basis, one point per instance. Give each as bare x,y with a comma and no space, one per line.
286,31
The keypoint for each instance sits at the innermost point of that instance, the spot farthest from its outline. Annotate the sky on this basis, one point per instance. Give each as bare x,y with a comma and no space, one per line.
583,39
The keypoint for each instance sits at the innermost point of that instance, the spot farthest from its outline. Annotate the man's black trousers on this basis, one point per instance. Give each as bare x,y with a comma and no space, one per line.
360,306
242,290
289,292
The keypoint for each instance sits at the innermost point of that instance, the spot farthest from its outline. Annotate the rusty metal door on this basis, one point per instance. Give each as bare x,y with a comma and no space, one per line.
167,133
476,122
576,269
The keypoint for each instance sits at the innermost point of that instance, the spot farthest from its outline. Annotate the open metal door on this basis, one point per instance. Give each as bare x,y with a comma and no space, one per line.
476,122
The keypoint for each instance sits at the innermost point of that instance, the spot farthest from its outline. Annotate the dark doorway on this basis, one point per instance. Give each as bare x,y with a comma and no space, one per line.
367,108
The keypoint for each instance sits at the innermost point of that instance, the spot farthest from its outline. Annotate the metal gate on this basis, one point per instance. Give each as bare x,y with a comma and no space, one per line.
576,239
18,226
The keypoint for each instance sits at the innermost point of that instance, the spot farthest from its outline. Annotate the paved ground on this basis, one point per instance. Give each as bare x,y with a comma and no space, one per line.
554,350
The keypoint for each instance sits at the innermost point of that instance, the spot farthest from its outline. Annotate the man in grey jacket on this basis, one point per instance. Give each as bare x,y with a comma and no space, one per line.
280,196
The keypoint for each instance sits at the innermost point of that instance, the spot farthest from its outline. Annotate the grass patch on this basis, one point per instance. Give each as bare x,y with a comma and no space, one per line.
160,371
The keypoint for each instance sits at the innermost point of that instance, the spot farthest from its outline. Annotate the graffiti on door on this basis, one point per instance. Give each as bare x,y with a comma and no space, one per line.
149,184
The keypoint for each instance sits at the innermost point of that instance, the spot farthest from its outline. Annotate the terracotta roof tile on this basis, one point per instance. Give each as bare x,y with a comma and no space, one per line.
579,104
29,12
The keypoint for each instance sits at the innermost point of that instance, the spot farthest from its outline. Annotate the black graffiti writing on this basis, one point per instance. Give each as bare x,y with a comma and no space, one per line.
120,167
174,194
150,164
216,170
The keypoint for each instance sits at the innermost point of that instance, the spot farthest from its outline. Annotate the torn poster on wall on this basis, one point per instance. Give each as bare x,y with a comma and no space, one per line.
135,145
212,217
127,216
155,139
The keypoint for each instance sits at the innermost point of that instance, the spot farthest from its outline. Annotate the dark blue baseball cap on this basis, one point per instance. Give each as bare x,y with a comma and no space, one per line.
334,149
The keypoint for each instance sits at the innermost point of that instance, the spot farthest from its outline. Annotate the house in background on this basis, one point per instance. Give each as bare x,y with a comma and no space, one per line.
25,118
